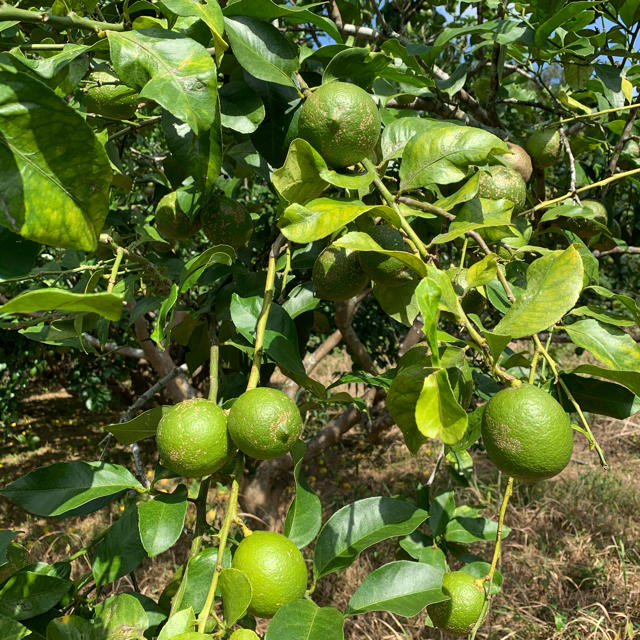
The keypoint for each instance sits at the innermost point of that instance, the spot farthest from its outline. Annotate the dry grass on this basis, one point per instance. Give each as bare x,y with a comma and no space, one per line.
571,563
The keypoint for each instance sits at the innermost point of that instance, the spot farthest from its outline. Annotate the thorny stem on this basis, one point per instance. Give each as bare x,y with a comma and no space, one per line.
229,518
261,326
114,269
213,372
391,201
593,443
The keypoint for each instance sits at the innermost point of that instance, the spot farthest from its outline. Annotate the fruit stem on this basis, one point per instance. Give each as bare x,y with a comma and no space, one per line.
214,352
261,325
229,518
547,357
391,201
593,443
534,366
114,270
196,543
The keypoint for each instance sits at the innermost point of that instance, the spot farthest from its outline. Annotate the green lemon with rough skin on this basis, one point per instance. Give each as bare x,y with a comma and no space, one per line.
341,122
109,98
461,612
518,160
498,182
226,221
337,274
244,634
192,438
275,569
379,267
172,222
545,147
527,433
264,423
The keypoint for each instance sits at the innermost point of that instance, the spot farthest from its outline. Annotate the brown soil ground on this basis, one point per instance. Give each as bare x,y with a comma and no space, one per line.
571,563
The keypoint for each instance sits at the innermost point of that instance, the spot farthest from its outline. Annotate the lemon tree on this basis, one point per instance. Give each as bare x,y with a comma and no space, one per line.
220,193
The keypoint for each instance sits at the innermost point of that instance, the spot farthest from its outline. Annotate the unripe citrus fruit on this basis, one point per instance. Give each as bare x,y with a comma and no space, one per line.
172,222
379,267
498,182
518,160
225,221
244,634
341,121
545,147
192,438
526,433
337,274
275,569
110,98
458,615
264,423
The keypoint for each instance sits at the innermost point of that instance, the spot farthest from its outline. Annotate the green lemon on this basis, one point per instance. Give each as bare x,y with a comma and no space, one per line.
337,274
379,267
192,438
275,569
545,147
226,221
526,433
341,122
264,423
518,160
172,222
498,182
244,634
459,614
109,98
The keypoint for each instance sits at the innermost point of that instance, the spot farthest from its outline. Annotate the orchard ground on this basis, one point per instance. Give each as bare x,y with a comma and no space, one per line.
572,560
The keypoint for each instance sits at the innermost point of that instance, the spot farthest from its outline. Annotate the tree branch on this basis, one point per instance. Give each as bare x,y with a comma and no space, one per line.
617,150
71,20
344,315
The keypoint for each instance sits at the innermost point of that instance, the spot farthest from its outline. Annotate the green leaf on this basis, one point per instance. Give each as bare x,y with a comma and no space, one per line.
441,510
479,569
121,551
554,283
64,486
6,536
181,622
468,529
399,302
72,627
199,575
428,294
482,272
396,135
236,594
160,520
107,305
402,587
304,517
630,379
12,629
161,328
241,108
448,298
356,65
298,180
444,158
305,620
465,193
121,617
598,396
48,195
27,594
142,426
612,346
603,315
262,50
360,525
171,69
195,267
18,255
558,19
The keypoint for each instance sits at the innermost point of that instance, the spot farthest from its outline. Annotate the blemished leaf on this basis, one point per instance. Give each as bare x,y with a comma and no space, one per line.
396,135
241,108
305,620
304,517
612,346
554,283
262,50
107,305
64,486
121,617
161,519
27,594
10,628
121,550
401,587
598,396
236,594
359,525
180,622
170,68
441,510
143,426
438,413
399,302
444,158
48,196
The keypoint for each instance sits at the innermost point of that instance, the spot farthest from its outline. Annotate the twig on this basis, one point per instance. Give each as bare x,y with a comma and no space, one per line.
114,270
133,127
71,20
609,252
572,164
530,103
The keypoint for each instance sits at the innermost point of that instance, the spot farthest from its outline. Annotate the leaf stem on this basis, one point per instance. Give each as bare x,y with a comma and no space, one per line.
261,325
70,20
391,201
229,518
